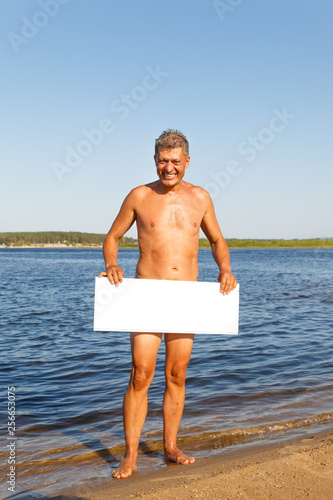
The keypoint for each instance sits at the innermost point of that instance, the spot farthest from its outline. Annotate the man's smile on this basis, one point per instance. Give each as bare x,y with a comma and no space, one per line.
169,176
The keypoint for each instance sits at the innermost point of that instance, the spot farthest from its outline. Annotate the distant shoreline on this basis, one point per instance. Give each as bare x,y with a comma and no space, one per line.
62,239
52,245
135,247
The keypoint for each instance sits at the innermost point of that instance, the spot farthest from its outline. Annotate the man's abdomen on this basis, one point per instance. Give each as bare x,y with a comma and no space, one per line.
180,267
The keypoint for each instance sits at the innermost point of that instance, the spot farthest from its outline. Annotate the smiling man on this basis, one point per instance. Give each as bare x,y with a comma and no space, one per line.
168,213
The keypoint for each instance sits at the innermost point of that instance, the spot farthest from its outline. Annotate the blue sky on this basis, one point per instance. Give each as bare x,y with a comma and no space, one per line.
87,86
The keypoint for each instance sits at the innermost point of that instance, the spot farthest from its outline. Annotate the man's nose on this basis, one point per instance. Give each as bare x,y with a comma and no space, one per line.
169,167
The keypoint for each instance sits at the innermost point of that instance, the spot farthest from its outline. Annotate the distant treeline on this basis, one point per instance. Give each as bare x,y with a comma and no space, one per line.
59,237
238,243
93,239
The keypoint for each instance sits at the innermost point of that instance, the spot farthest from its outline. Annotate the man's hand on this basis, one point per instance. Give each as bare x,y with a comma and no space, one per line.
114,274
227,282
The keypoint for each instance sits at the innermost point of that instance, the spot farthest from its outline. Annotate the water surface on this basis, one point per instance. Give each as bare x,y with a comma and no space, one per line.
275,376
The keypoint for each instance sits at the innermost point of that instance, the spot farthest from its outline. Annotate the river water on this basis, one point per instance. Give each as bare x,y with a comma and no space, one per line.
274,379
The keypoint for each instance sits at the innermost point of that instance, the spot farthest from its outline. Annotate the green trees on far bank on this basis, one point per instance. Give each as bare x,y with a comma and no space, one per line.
93,240
58,237
295,243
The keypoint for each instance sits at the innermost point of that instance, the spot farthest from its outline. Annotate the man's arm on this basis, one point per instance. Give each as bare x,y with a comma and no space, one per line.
122,223
220,250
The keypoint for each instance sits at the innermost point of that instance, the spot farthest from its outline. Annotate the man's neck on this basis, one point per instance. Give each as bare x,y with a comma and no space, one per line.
162,189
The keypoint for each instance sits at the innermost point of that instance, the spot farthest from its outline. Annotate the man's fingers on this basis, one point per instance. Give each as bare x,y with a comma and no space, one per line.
224,286
115,276
118,277
111,276
228,283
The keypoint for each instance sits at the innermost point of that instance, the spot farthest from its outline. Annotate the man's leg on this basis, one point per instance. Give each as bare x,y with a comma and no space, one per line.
178,352
144,352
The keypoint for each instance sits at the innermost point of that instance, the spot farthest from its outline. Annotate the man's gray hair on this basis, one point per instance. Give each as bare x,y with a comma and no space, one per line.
170,139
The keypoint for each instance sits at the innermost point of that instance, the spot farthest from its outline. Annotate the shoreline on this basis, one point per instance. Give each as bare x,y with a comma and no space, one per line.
99,247
289,468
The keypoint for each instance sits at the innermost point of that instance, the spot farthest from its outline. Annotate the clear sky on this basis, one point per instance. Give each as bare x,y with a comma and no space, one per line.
87,86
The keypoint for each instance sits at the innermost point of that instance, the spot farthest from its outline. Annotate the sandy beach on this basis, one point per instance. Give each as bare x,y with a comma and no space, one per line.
295,469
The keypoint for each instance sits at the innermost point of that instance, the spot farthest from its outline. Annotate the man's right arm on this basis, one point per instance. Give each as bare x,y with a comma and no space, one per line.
124,220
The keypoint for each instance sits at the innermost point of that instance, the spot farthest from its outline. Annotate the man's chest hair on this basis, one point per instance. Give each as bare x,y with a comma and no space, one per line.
169,216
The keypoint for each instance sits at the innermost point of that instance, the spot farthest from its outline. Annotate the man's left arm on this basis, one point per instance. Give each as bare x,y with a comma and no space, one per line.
220,250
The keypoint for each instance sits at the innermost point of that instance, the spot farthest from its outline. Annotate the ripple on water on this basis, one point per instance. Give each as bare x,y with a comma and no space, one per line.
275,377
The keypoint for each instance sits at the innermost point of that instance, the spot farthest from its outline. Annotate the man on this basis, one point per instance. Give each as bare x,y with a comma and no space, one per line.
169,213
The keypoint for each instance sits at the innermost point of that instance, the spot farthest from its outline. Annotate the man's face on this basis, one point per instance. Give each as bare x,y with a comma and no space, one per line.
171,165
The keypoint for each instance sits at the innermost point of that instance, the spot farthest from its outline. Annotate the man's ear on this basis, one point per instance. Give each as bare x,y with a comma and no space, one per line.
187,162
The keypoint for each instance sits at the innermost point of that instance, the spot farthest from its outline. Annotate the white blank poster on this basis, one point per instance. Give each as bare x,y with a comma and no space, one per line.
139,305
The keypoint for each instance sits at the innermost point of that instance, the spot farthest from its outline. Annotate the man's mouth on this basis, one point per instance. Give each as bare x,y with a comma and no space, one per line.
169,176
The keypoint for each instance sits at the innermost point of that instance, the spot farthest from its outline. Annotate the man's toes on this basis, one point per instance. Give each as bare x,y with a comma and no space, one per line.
123,473
117,474
185,460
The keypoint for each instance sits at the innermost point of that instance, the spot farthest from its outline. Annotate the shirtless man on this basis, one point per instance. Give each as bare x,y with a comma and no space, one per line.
169,213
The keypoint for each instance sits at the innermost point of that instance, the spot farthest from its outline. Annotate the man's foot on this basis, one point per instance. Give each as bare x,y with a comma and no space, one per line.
178,457
125,469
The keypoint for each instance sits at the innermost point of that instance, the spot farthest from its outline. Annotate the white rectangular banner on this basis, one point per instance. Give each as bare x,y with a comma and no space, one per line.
140,305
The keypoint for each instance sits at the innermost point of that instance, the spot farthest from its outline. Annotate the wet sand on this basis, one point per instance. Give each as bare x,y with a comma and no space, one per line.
295,469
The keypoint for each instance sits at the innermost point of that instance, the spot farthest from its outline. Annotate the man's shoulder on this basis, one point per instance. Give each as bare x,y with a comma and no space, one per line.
199,192
142,190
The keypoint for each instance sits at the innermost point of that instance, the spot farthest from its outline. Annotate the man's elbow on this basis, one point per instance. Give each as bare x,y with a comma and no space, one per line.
217,241
110,239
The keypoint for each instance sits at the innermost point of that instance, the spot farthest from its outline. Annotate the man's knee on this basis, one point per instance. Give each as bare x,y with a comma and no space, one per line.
177,374
141,378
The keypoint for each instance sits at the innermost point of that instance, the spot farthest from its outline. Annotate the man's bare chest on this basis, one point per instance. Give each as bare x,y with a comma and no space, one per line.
169,216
